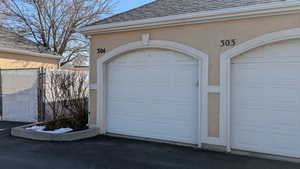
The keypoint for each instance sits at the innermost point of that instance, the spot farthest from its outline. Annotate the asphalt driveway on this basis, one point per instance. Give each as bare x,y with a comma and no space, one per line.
5,127
112,153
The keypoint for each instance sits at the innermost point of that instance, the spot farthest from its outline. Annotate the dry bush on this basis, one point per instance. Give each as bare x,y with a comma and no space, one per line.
67,97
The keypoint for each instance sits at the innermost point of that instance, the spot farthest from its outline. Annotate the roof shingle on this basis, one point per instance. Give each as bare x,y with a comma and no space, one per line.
161,8
10,39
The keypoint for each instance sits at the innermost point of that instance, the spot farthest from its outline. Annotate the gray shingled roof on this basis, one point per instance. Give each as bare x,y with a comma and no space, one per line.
160,8
9,39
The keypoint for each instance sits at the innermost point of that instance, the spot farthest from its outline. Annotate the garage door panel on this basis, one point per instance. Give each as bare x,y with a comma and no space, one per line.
160,111
287,48
139,96
260,142
265,100
153,94
138,117
177,134
286,52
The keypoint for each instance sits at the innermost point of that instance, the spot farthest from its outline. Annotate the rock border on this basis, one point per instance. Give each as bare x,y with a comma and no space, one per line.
71,136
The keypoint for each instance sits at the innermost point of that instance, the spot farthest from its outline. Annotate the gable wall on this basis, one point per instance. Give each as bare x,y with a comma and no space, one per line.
204,37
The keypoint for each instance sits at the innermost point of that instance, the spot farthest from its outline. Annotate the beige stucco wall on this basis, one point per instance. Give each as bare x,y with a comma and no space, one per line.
17,61
204,37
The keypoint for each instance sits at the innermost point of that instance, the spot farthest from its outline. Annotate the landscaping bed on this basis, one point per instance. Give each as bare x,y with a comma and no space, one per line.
25,132
66,99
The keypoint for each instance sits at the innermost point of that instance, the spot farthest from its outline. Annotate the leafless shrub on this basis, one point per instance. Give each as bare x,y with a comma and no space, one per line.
66,96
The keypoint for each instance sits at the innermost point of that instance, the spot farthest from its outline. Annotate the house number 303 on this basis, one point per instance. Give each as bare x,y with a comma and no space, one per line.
228,42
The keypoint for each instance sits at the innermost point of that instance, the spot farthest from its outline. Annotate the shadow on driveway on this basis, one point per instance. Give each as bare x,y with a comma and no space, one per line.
111,153
5,127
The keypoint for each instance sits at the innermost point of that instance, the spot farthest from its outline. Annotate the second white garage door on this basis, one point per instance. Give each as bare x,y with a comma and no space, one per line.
153,94
265,100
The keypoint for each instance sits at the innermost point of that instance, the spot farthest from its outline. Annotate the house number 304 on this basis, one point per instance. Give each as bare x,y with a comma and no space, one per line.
101,50
226,43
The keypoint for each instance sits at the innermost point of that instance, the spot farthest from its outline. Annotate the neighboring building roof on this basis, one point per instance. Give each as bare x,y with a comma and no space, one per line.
12,42
161,8
10,39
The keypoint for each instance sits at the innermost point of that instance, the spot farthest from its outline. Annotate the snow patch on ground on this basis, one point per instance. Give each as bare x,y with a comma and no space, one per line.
57,131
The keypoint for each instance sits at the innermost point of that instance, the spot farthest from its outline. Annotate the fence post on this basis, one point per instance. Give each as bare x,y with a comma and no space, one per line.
1,95
41,104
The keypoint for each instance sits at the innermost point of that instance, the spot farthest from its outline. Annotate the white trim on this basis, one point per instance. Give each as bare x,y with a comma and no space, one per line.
225,64
221,139
214,89
25,52
93,85
158,44
268,9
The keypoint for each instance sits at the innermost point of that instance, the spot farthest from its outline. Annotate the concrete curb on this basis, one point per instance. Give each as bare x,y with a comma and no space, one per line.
72,136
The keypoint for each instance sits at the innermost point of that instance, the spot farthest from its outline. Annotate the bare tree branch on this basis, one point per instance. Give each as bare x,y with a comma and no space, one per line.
52,23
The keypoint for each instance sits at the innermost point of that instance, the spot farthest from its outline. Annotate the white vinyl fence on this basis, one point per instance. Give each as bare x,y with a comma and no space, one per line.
22,94
19,95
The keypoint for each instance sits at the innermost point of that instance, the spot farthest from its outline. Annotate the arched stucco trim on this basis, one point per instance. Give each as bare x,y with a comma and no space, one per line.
155,44
225,65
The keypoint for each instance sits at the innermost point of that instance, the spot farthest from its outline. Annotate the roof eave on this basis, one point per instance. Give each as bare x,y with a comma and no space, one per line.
29,53
271,9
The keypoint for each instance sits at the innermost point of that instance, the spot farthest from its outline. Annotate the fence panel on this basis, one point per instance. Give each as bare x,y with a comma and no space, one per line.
23,94
20,95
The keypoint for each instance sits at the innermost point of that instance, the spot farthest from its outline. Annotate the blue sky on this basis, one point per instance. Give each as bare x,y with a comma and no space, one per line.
124,5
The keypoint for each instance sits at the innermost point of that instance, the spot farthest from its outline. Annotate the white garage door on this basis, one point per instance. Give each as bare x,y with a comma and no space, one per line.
153,94
265,100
